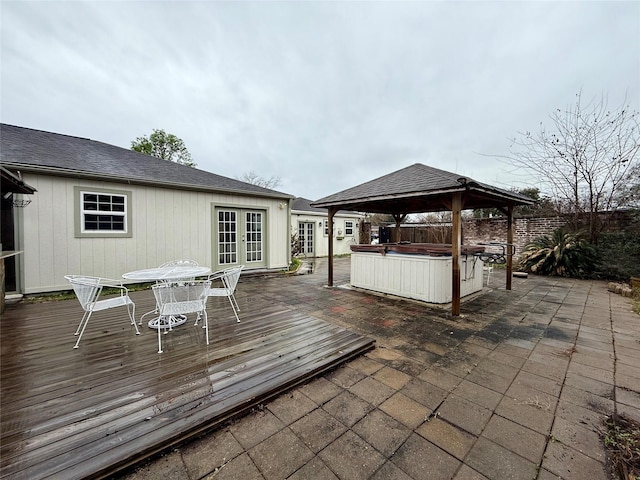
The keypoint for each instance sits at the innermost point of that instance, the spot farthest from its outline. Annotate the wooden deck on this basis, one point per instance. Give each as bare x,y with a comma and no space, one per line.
114,401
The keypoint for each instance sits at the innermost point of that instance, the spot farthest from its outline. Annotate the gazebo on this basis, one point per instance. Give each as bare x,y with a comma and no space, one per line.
418,189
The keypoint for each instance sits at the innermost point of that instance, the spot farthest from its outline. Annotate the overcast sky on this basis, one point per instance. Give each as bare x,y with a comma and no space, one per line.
324,95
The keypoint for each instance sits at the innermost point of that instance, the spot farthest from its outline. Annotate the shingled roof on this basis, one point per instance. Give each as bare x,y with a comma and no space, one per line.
420,188
304,205
37,151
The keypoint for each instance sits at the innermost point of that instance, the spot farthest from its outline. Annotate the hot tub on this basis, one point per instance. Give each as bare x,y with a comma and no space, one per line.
419,271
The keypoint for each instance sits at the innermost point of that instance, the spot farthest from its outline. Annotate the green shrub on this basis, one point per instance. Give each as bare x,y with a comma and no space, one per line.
620,254
562,254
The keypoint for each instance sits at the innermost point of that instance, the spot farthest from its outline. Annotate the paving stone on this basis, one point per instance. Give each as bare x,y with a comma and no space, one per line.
447,436
499,355
280,455
478,394
318,429
570,464
290,406
586,399
467,415
204,455
628,382
381,353
468,473
440,377
553,372
240,468
579,415
512,436
405,410
589,385
424,393
543,384
347,408
605,376
392,377
315,469
496,462
382,432
344,376
421,459
389,471
547,475
255,427
321,390
365,365
372,391
579,437
526,413
166,466
630,412
530,396
350,457
487,379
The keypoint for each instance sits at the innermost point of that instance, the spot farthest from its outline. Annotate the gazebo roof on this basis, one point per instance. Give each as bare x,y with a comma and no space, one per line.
420,188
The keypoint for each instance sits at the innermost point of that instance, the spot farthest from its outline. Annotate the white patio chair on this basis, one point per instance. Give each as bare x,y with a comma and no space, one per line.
88,291
175,299
173,263
229,278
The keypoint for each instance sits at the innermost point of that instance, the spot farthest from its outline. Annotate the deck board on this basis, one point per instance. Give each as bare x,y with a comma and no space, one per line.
114,401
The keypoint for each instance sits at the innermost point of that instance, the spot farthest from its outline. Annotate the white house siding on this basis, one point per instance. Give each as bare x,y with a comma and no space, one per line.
166,224
321,246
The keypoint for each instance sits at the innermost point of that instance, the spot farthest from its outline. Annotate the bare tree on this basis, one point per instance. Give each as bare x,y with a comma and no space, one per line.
586,162
254,179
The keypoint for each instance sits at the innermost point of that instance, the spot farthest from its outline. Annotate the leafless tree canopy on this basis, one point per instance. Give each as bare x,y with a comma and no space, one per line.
254,179
588,162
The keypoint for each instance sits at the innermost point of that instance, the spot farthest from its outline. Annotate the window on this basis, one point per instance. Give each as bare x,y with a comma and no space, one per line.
102,213
326,227
348,228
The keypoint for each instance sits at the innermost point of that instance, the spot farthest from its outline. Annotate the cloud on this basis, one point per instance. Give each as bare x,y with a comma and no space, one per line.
325,95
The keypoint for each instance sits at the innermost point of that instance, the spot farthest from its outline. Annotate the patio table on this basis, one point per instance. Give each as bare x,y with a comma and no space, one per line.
169,274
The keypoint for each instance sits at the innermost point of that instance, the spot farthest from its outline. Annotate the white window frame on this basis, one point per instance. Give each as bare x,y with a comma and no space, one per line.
82,213
348,228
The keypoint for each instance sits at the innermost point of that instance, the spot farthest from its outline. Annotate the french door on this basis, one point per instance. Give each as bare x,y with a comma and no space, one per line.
305,237
240,238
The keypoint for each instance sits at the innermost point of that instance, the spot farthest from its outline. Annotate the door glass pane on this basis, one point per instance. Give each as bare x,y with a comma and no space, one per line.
227,238
253,238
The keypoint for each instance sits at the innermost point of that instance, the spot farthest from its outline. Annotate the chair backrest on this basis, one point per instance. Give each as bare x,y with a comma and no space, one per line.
87,289
182,298
178,263
231,277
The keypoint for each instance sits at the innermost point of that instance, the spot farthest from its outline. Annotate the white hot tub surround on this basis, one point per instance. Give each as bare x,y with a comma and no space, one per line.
420,277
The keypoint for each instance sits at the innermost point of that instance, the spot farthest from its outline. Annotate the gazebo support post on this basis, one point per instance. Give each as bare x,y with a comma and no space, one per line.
332,212
510,248
399,218
456,240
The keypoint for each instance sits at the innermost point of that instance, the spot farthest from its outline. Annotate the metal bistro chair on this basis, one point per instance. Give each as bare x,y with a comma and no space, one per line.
229,278
173,263
175,299
88,290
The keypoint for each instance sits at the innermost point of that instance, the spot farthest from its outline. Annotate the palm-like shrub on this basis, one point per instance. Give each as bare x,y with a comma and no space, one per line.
563,254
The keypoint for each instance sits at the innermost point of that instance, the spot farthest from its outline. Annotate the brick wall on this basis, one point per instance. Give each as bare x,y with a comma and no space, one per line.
482,230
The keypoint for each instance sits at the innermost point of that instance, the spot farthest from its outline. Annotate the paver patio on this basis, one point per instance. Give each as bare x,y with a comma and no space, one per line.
515,388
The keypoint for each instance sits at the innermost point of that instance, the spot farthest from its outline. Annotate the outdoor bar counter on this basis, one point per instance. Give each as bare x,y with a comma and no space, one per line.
421,271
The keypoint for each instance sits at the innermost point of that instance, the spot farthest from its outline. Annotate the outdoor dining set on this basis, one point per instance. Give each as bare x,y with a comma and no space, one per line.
181,287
